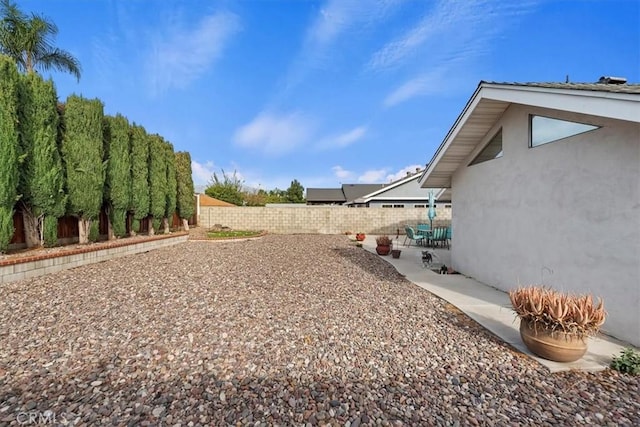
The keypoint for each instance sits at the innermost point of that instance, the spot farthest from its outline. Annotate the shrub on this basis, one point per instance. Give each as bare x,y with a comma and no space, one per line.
556,311
94,230
50,233
383,240
628,362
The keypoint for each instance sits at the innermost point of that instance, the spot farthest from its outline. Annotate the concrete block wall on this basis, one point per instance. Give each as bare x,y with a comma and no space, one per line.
12,269
320,219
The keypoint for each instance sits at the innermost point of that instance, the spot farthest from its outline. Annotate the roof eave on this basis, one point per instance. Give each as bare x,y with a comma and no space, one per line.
497,97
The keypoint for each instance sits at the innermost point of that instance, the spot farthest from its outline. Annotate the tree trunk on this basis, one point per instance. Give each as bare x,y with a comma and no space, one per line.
83,230
165,223
31,222
152,232
185,224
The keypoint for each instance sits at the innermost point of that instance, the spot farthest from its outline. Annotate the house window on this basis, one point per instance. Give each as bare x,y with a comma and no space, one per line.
419,206
387,206
491,151
544,130
398,206
447,206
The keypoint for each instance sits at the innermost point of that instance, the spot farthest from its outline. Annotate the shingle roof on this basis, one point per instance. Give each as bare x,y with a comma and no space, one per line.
599,87
355,191
325,195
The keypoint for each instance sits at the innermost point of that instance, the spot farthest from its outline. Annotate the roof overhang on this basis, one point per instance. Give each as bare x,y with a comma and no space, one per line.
489,102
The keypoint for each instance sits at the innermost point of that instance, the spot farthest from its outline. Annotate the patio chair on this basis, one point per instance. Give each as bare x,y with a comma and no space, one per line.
440,237
412,236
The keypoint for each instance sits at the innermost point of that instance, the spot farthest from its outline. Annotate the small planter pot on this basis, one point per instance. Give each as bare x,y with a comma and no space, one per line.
360,237
395,253
383,249
559,347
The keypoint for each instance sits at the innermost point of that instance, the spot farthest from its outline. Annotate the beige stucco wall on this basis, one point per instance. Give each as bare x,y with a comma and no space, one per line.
319,219
564,214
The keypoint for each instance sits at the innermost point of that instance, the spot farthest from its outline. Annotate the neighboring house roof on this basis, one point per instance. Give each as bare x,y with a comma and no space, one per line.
210,201
379,194
333,195
355,191
490,100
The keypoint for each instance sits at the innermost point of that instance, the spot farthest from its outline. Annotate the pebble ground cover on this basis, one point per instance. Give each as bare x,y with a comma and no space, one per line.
282,330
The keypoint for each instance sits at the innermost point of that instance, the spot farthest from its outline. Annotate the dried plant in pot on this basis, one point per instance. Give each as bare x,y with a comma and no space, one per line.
383,245
556,325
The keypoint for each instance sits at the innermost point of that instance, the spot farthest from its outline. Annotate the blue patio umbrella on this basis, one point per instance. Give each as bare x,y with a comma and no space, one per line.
432,209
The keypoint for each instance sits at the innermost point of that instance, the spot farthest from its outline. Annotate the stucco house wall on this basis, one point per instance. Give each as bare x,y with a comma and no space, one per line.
564,214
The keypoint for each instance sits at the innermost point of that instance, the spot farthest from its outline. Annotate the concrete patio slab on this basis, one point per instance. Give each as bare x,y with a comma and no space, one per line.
488,306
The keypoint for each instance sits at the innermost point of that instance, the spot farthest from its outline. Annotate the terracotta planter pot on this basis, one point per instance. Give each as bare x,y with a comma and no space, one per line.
360,237
558,347
383,249
395,253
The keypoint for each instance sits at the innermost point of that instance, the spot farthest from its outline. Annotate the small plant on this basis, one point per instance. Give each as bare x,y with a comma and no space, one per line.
628,362
544,308
359,244
360,236
221,234
383,240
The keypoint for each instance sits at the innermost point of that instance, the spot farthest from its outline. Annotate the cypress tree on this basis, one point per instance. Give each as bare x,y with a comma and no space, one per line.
83,153
157,181
118,179
170,206
9,148
185,192
42,176
139,176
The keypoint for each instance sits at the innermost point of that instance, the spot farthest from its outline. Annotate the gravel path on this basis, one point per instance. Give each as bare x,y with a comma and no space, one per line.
282,330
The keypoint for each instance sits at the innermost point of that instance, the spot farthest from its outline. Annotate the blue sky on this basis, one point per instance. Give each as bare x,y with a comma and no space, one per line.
325,92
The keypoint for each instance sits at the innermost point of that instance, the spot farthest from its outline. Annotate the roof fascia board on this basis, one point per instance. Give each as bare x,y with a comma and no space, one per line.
455,129
620,106
394,185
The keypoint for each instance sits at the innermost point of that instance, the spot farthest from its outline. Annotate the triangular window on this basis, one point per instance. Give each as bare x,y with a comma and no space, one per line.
491,151
545,130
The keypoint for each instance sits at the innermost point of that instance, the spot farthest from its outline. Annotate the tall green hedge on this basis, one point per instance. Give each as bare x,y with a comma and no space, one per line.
117,137
83,153
171,199
139,174
42,175
157,178
185,194
10,155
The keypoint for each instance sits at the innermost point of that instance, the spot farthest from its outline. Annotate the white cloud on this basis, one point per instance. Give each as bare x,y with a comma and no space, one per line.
373,176
335,22
402,173
341,173
340,16
446,40
180,55
344,139
426,84
201,172
275,134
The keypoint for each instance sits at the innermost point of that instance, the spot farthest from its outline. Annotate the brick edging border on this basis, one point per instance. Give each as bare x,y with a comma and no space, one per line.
90,248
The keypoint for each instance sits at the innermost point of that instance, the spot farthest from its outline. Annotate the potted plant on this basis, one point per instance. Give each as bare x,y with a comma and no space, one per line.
395,253
360,237
383,245
556,325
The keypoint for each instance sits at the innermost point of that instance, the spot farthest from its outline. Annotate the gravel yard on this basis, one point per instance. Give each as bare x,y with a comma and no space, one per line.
283,330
